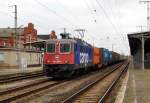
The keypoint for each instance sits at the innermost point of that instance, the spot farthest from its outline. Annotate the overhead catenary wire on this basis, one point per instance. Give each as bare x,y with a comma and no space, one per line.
115,27
55,13
91,10
118,4
76,16
23,19
67,10
38,20
70,12
6,14
118,23
114,17
106,15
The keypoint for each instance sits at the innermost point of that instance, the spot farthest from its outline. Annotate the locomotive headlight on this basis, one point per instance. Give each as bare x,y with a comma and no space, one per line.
48,61
66,61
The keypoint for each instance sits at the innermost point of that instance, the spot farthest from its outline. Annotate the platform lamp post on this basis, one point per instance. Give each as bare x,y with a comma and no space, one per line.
143,52
19,46
143,42
144,38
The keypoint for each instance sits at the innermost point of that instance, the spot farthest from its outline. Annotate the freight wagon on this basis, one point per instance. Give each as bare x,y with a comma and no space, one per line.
105,56
115,57
97,58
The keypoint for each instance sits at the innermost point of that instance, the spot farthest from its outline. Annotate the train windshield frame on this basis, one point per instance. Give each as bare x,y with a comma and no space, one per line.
51,48
65,48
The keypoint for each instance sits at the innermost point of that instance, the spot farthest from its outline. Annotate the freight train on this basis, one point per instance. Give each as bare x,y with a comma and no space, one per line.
64,58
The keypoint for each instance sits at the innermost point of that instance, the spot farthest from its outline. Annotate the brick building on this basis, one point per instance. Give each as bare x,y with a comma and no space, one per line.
9,39
30,34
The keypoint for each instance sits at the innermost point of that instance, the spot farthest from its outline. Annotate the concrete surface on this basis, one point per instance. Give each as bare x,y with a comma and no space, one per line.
138,86
9,58
4,71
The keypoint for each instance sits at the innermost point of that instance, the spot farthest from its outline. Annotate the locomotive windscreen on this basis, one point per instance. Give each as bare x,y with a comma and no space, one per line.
64,47
51,48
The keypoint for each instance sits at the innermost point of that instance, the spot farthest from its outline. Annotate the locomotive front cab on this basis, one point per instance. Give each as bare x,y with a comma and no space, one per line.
59,52
59,56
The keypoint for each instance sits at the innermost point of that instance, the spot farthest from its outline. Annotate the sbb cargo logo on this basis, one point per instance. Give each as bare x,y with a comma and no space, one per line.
84,58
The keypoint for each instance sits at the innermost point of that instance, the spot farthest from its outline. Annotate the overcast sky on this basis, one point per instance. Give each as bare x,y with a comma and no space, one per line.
106,22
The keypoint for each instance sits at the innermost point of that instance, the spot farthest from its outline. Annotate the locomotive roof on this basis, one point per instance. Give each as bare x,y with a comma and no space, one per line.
41,43
74,40
63,40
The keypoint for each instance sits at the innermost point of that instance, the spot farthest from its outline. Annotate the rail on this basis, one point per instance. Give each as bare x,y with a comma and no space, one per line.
81,91
102,99
7,79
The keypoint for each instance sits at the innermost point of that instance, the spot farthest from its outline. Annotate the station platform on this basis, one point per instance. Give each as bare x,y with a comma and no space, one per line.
135,87
4,71
138,86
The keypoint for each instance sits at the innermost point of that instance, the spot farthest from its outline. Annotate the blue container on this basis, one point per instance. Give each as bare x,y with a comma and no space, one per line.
106,56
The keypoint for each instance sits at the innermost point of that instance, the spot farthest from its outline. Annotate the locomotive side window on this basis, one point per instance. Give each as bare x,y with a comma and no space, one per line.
51,48
64,48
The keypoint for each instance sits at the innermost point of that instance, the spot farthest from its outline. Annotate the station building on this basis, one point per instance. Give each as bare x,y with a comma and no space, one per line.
11,47
9,39
140,49
13,52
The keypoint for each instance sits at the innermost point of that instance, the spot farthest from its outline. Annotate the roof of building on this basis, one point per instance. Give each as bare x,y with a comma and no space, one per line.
139,34
6,32
43,36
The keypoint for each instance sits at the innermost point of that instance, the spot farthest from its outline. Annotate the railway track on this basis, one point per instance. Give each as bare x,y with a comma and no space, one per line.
19,92
98,90
13,94
7,78
104,97
62,91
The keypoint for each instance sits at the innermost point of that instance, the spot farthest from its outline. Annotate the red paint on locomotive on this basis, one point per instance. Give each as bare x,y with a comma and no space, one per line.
58,58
